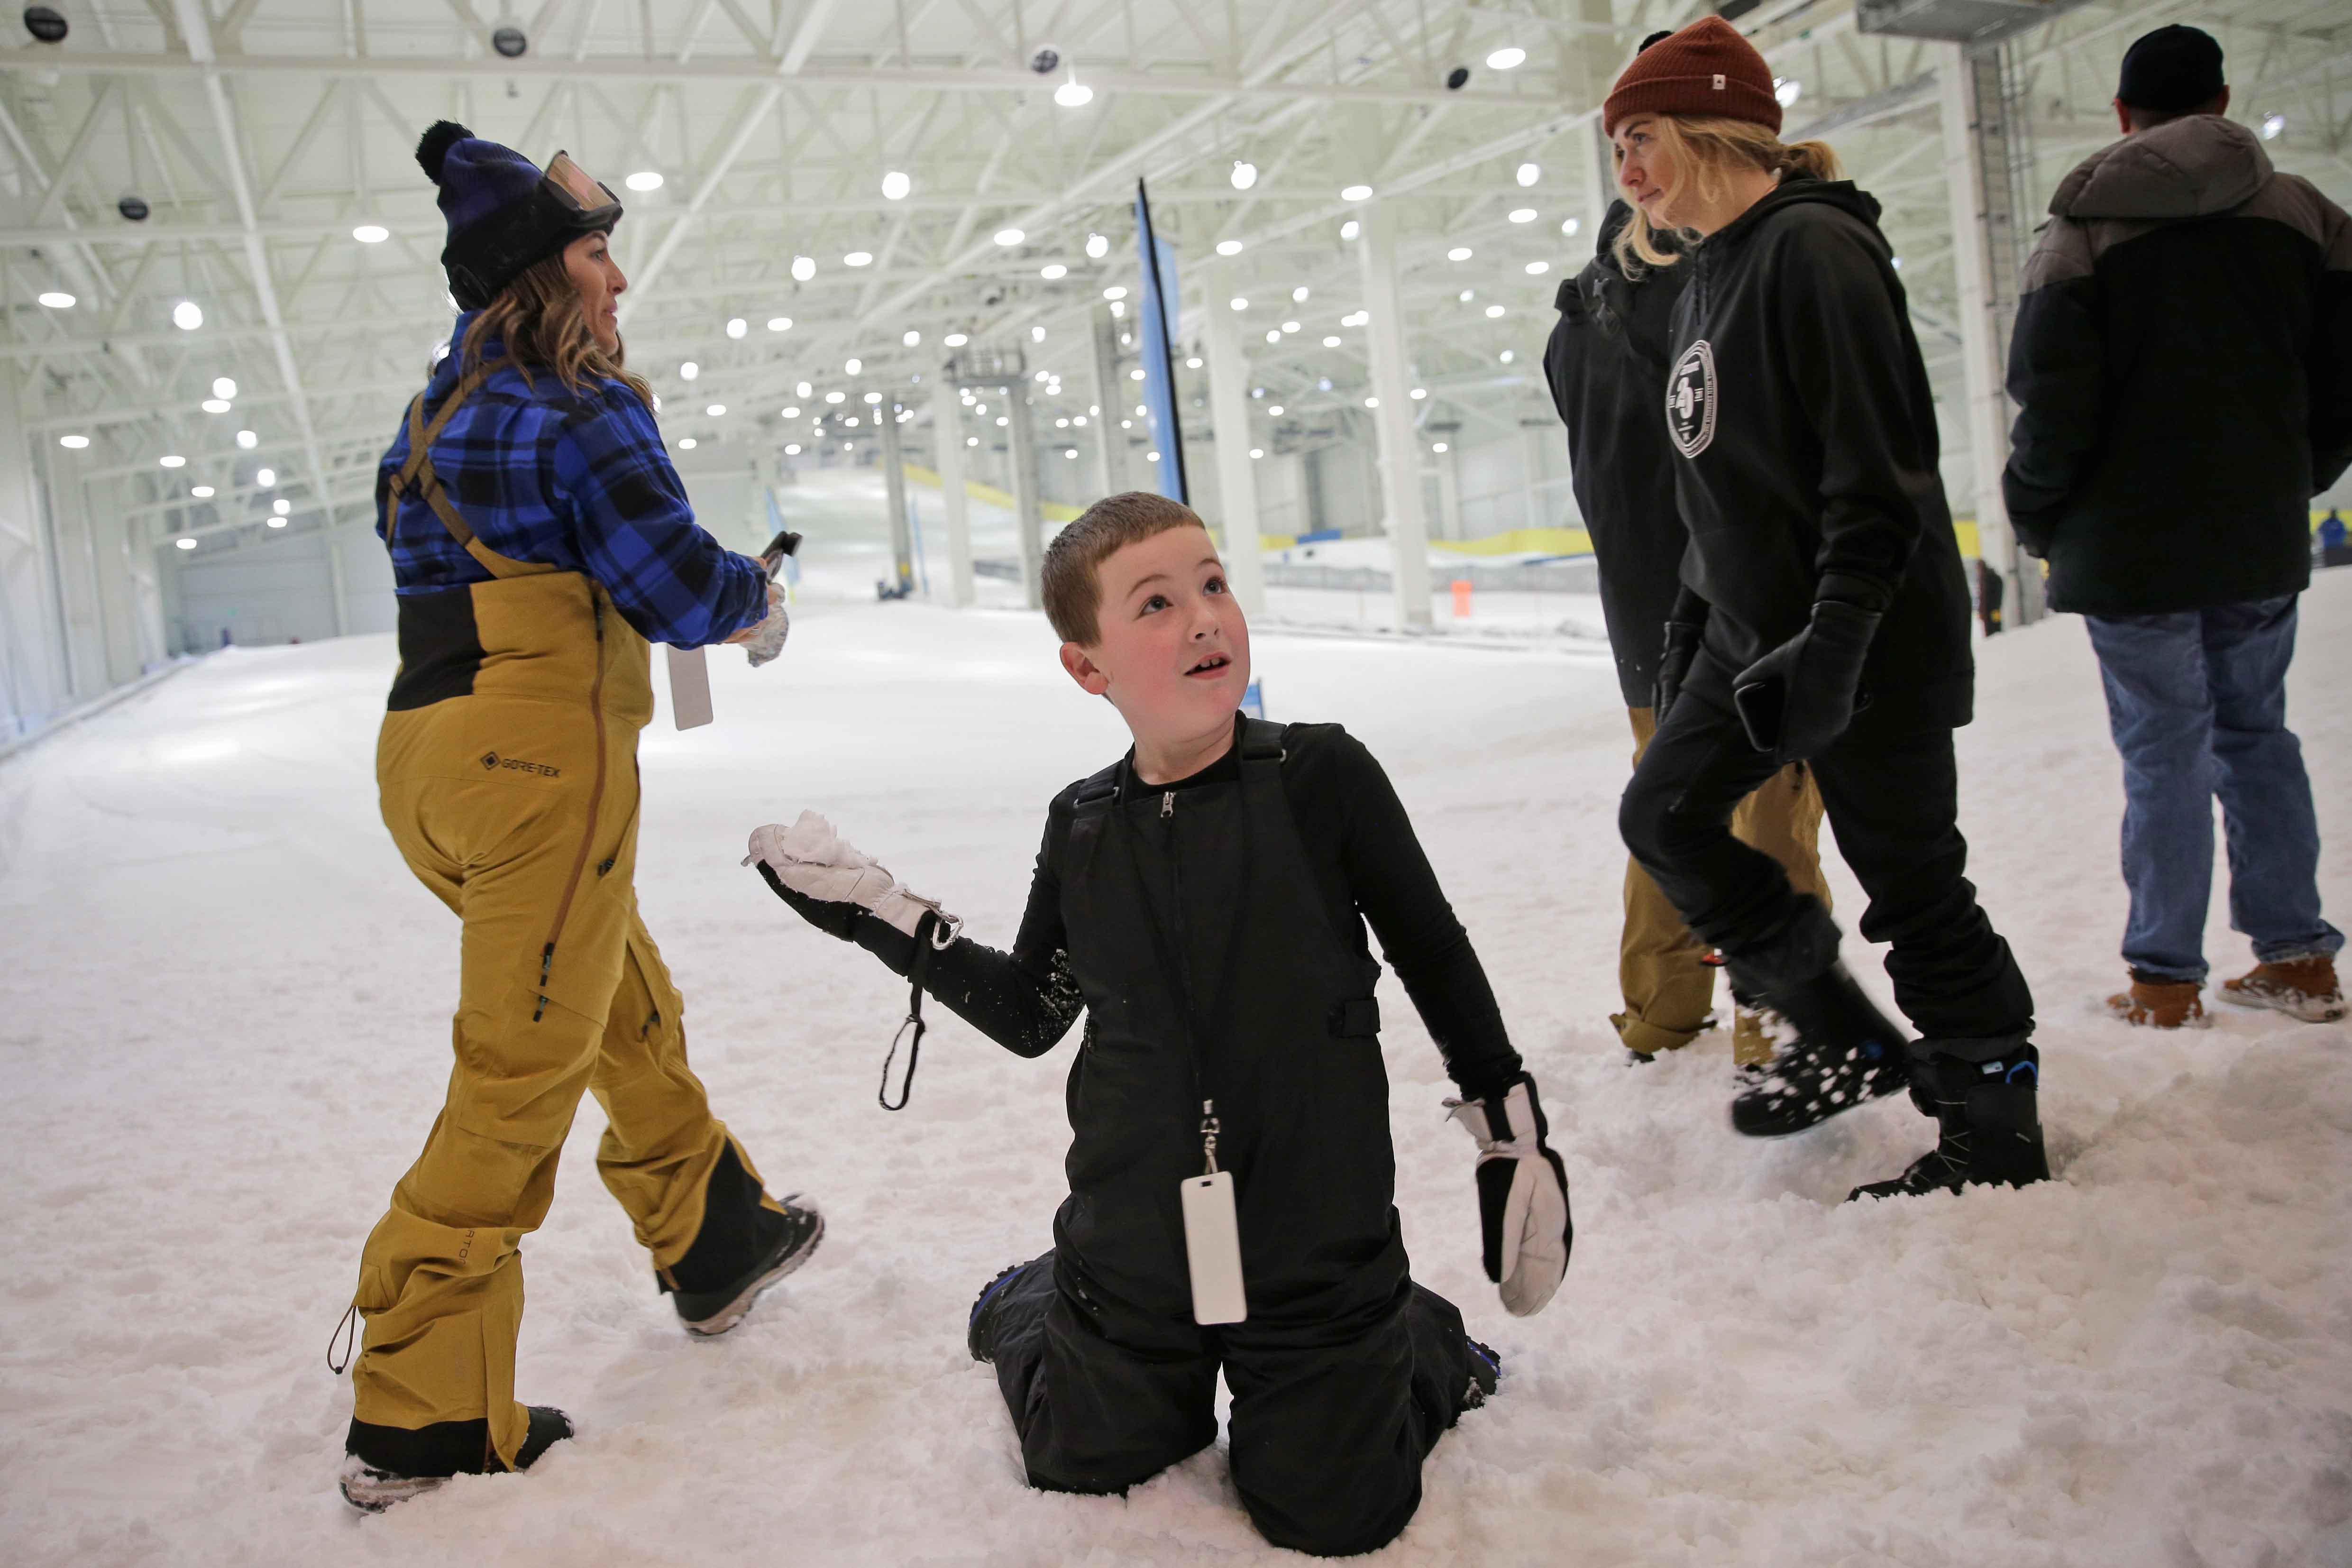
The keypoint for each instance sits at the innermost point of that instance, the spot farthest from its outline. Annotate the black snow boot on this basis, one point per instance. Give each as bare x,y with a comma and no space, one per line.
979,1328
1989,1128
385,1464
743,1248
1846,1052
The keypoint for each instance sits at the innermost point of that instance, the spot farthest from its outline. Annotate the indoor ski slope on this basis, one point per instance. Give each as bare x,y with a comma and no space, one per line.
223,1028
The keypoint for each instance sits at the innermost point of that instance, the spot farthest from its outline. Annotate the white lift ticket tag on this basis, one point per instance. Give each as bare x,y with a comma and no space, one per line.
690,687
1213,1249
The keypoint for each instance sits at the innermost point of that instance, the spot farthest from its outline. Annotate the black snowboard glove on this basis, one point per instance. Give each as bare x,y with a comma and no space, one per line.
1674,664
1522,1195
1798,699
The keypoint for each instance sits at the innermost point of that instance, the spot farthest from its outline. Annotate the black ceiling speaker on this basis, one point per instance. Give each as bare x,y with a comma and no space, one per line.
510,42
1456,77
132,207
44,23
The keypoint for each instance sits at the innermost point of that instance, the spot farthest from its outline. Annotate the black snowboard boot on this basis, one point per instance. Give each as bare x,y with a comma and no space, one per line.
385,1464
979,1328
1988,1130
1846,1052
743,1248
1486,1375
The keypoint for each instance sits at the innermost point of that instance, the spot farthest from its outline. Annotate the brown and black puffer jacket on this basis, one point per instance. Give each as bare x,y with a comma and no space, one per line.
2183,364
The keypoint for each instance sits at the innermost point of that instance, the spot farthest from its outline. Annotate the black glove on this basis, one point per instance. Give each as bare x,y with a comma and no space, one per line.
1674,664
1522,1195
1798,699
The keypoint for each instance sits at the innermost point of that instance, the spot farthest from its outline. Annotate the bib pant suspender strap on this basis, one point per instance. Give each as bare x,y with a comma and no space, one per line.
418,475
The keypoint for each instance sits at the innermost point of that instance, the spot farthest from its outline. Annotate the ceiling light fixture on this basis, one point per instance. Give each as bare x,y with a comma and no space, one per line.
736,326
858,258
1097,247
370,234
224,388
644,180
1350,229
187,315
1073,93
172,461
1356,193
803,268
201,492
1245,173
780,323
1522,215
57,300
1529,174
216,406
1509,58
248,440
896,184
688,370
1008,237
1229,248
1053,271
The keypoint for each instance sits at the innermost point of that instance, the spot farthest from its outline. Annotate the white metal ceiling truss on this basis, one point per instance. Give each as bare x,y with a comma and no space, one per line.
260,133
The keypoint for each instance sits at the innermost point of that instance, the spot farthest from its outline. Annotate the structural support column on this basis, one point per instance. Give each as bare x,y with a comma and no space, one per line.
1236,474
947,438
1400,455
893,488
1110,441
1449,495
1021,441
1988,250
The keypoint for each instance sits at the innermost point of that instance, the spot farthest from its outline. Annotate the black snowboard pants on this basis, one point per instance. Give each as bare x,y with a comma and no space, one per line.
1329,1428
1891,791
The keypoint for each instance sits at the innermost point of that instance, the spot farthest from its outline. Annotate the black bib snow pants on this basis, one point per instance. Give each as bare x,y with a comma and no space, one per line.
1200,905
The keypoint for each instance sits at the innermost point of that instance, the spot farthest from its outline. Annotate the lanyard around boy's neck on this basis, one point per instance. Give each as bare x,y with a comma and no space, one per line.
1199,1024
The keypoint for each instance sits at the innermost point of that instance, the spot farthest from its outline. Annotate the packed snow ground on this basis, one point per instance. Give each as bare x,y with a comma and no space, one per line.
224,1024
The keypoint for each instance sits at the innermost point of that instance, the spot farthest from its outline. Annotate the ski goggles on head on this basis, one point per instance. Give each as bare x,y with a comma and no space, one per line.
592,198
566,204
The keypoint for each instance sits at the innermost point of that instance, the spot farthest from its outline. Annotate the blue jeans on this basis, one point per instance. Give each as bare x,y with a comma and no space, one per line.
2197,702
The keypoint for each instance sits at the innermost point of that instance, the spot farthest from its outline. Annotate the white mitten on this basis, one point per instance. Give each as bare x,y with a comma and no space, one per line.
816,862
767,638
1522,1195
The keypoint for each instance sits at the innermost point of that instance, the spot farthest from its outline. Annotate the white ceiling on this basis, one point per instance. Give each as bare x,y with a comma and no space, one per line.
261,132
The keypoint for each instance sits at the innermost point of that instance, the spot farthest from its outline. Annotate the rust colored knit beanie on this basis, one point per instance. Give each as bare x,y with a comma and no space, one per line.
1705,68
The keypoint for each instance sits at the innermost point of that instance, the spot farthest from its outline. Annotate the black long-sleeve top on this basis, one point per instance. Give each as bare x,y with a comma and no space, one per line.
1360,845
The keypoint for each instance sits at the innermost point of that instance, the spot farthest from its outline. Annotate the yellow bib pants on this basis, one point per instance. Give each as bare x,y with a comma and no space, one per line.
507,768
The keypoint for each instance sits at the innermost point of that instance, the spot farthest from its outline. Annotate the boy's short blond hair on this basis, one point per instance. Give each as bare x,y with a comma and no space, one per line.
1073,569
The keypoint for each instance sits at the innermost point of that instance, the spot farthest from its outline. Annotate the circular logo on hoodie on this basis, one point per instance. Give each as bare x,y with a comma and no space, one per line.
1690,399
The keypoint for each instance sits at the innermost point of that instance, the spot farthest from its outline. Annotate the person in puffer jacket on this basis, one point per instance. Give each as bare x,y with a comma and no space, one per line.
2182,365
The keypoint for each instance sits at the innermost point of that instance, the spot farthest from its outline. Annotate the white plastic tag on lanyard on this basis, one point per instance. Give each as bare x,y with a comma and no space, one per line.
690,687
1213,1249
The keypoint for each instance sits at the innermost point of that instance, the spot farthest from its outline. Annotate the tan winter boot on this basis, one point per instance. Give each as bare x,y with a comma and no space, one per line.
2159,1005
2303,988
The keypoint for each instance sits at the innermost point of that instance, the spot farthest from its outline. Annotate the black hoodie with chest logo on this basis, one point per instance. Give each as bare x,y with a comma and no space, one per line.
1805,433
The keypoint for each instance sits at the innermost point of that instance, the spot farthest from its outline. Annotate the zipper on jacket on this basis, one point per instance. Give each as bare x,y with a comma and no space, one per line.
1167,804
595,801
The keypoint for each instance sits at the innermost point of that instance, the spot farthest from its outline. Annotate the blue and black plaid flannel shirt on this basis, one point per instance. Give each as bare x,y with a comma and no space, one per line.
582,483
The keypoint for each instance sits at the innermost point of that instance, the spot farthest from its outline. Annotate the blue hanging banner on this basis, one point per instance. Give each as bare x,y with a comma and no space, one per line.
1158,308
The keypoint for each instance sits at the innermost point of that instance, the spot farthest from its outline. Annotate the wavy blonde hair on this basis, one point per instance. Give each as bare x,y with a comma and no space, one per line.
1707,150
538,321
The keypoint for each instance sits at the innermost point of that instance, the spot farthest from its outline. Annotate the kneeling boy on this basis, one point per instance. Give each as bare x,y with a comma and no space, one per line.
1203,900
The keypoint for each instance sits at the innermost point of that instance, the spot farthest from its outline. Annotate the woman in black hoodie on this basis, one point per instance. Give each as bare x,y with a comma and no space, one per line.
1823,619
